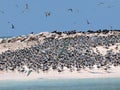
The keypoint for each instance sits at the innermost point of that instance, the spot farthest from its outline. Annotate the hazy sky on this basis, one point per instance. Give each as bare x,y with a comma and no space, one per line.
18,17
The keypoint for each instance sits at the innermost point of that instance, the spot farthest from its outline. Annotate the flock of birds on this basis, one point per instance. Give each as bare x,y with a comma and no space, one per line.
70,52
54,54
48,13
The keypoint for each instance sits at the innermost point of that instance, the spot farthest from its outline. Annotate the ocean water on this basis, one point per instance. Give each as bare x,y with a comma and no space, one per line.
63,84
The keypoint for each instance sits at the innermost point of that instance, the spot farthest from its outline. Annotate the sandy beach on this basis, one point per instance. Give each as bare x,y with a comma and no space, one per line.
113,72
66,74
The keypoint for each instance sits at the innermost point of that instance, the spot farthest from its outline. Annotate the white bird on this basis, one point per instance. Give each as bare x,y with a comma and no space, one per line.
27,70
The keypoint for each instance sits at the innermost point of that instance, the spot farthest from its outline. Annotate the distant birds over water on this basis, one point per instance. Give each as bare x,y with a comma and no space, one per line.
49,13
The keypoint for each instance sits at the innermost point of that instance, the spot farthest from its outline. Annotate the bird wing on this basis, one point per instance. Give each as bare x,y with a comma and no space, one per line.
29,72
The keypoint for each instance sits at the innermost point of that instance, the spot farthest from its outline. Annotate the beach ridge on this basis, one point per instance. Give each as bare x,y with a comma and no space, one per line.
58,55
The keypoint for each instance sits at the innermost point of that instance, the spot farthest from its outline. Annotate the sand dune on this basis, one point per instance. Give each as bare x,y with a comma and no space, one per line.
19,43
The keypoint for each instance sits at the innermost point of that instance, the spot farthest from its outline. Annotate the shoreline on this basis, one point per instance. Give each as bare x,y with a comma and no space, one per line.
66,74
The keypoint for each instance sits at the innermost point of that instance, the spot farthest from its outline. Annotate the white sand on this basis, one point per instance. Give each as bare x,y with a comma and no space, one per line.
95,73
16,45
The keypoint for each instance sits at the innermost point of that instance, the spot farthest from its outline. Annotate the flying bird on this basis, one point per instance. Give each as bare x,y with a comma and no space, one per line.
47,14
29,72
88,22
70,9
13,26
26,6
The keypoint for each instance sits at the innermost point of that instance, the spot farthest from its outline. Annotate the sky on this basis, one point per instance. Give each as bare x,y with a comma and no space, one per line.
21,17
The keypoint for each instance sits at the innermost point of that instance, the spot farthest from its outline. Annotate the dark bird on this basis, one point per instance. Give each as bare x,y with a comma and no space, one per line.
32,33
47,14
88,22
70,9
13,26
26,6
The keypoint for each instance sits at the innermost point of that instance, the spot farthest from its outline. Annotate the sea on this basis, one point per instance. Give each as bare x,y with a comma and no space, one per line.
62,84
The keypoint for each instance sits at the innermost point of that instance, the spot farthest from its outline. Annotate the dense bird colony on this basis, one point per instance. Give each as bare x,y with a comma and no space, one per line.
70,52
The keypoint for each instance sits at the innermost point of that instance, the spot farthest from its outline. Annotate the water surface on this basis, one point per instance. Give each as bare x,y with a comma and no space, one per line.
63,84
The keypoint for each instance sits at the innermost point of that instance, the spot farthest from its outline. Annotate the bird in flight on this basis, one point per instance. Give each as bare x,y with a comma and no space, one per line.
47,14
88,22
70,9
26,6
13,26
